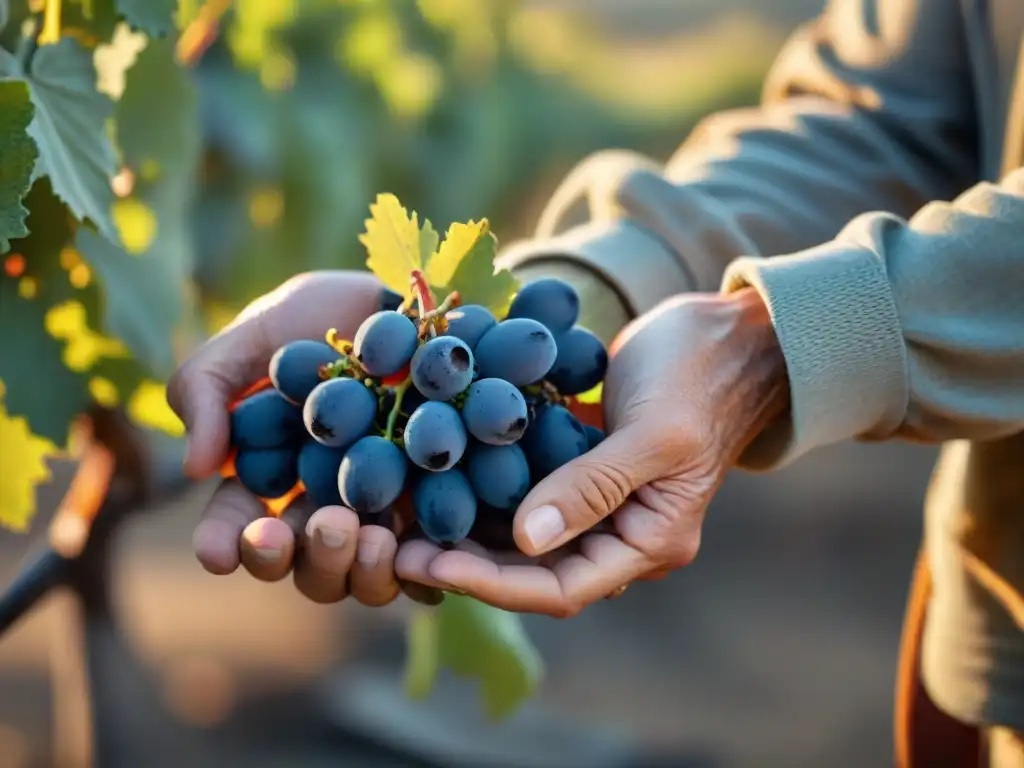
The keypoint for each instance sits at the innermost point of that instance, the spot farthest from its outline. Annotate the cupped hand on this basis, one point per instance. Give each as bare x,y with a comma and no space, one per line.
688,386
328,552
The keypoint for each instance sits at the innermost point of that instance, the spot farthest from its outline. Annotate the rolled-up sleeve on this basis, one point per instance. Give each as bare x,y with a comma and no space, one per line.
899,328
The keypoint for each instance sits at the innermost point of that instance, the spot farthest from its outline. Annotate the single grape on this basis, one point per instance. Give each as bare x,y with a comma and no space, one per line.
445,506
269,474
339,411
266,420
469,323
435,437
499,474
521,351
495,412
318,470
372,475
594,436
384,343
442,368
550,301
554,439
295,368
581,362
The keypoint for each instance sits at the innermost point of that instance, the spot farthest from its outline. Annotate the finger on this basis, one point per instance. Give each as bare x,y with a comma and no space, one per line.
413,560
329,547
200,391
574,581
373,577
268,548
217,537
577,496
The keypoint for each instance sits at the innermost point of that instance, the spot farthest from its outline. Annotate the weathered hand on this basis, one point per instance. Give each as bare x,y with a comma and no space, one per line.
688,386
328,551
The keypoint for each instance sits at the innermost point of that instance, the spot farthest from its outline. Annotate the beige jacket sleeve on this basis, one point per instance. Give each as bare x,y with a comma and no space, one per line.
889,327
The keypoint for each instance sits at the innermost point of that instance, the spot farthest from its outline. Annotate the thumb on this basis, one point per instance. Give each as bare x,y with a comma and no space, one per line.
200,400
578,495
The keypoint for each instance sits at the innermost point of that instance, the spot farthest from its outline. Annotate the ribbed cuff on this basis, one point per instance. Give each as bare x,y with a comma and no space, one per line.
838,326
636,264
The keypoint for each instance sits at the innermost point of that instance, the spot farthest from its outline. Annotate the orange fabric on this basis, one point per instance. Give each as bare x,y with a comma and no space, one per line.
925,736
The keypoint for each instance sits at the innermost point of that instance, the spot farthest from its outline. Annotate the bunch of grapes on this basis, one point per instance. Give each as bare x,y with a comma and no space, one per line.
444,409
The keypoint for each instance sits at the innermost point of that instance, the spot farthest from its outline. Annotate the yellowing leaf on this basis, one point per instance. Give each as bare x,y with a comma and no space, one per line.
459,240
148,407
394,243
23,467
465,263
591,396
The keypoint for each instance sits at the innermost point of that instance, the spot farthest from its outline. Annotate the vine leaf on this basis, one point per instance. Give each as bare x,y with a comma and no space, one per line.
465,263
474,640
23,466
143,278
395,242
154,17
18,156
38,384
69,128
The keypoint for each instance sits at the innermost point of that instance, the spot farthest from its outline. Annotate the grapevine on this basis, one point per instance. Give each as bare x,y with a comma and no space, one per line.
101,151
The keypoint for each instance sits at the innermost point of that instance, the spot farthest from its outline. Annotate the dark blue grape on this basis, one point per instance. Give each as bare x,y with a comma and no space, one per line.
372,475
339,412
442,368
295,367
445,506
470,323
269,474
595,436
318,472
266,420
435,437
499,474
554,439
550,301
521,351
581,362
495,412
384,343
493,528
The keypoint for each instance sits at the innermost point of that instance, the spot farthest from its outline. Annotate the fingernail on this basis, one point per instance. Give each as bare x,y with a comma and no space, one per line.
544,525
267,555
368,553
331,538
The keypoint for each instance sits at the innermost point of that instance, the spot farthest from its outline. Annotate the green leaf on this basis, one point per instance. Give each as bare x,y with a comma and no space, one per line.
465,263
38,384
475,640
17,159
70,128
144,281
394,242
154,17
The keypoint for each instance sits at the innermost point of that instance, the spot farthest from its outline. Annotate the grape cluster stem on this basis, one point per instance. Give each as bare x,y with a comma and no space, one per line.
396,409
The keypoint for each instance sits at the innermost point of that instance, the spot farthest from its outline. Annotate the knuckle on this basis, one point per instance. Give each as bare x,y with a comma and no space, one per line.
601,488
681,551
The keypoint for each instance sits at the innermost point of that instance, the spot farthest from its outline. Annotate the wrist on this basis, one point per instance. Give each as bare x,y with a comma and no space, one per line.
757,385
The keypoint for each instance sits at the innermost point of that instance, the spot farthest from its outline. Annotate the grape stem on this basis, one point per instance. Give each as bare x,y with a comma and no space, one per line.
396,408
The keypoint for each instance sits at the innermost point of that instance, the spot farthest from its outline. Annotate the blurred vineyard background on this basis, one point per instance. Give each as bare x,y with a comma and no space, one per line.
776,649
